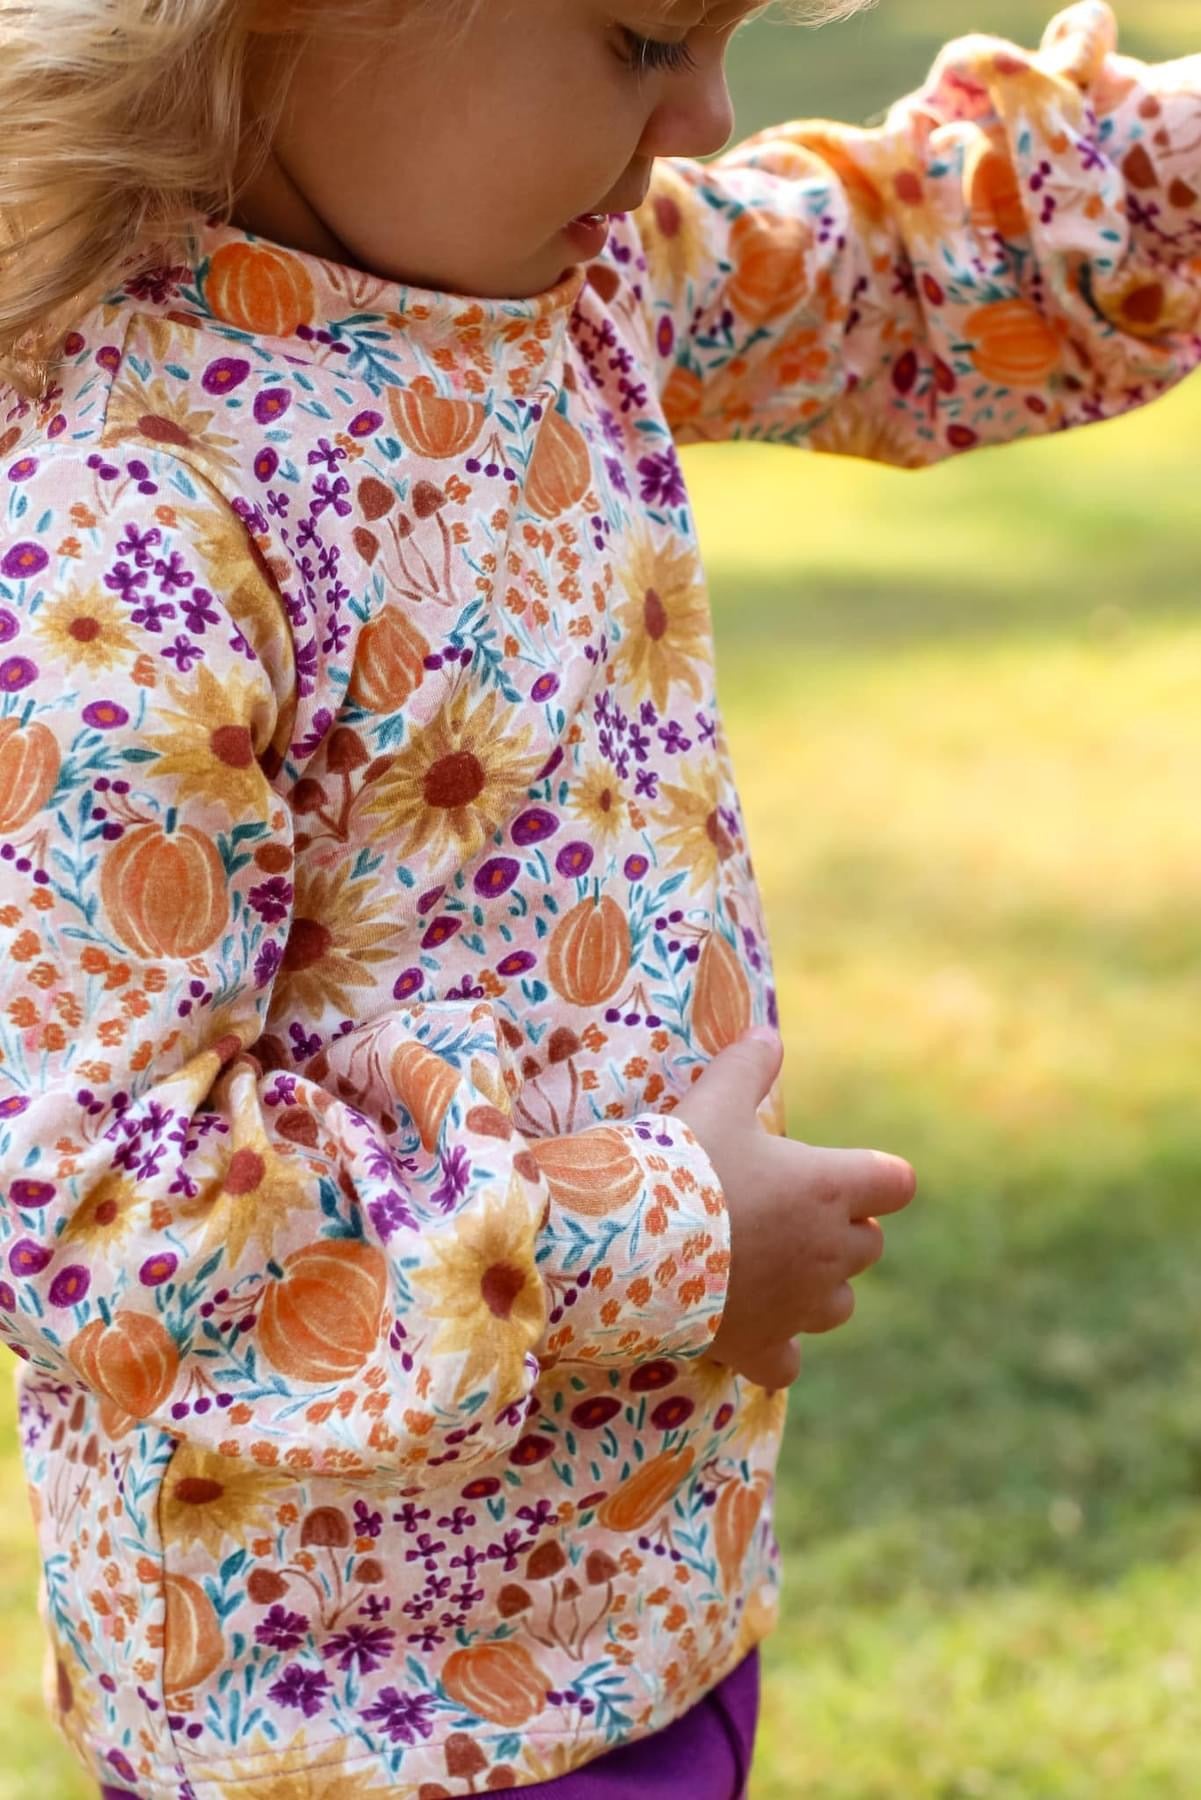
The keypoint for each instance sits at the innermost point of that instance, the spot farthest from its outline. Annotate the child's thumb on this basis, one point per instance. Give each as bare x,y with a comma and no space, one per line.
742,1075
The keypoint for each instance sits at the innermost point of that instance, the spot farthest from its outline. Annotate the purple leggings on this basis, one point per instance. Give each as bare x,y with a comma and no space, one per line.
705,1755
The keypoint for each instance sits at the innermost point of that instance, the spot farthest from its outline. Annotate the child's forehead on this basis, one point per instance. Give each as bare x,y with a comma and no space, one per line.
690,13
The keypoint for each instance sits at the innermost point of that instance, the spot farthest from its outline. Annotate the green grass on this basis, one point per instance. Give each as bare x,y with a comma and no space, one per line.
963,706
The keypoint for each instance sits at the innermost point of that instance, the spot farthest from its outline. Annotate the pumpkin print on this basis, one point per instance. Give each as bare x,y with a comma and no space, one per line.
165,896
390,750
425,1083
996,198
390,664
592,1172
260,287
499,1682
321,1321
646,1492
134,1361
590,952
560,469
1012,344
191,1635
739,1505
29,765
722,1003
431,424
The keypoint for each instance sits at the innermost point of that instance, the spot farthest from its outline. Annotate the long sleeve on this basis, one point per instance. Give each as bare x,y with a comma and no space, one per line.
1015,251
353,1264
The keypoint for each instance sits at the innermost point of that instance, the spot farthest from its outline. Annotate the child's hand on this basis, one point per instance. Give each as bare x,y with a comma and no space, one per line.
802,1220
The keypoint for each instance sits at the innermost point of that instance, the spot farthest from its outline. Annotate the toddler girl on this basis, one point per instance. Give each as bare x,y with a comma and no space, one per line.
404,1281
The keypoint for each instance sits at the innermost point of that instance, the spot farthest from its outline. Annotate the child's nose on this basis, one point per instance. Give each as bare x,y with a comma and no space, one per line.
696,119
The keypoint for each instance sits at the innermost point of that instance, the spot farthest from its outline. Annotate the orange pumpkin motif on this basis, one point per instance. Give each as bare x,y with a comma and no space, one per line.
165,896
259,287
322,1320
29,765
590,952
735,1517
434,424
389,663
192,1646
1014,345
499,1682
425,1084
771,267
721,1006
134,1361
682,395
591,1172
649,1488
560,469
995,197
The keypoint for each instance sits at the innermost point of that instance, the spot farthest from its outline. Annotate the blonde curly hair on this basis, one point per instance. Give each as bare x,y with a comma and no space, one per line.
123,122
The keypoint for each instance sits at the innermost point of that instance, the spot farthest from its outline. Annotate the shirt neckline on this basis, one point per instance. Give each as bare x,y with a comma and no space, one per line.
270,289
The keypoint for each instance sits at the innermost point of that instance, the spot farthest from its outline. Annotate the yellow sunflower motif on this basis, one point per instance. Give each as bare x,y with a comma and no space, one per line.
669,222
207,1498
484,1288
690,826
457,779
761,1414
664,622
87,630
211,743
336,938
597,799
106,1217
250,1200
329,1770
218,537
149,413
854,429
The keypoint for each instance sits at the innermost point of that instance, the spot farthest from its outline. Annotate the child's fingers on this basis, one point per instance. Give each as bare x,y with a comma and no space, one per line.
871,1181
866,1245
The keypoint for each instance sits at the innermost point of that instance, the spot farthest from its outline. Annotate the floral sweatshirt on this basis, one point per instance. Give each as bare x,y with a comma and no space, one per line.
374,885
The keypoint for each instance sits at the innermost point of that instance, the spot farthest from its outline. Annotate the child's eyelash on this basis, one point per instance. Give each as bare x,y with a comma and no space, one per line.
649,53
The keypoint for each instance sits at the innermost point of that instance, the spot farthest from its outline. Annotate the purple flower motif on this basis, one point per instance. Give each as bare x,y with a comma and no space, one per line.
661,479
403,1717
574,859
126,582
9,625
516,963
329,455
408,984
225,374
636,867
390,1214
121,1763
29,1194
281,1629
305,1688
496,876
198,610
152,613
23,560
271,404
139,544
8,1299
324,495
306,667
533,825
159,1268
545,686
271,899
617,476
183,653
266,463
365,1645
28,1258
13,1104
16,672
267,962
364,423
70,1285
172,573
456,1173
23,468
440,931
105,715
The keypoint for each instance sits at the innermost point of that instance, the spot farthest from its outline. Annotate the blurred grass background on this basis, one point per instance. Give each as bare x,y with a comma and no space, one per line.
964,710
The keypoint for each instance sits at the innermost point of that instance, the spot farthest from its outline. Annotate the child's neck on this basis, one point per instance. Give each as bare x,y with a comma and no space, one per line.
272,206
